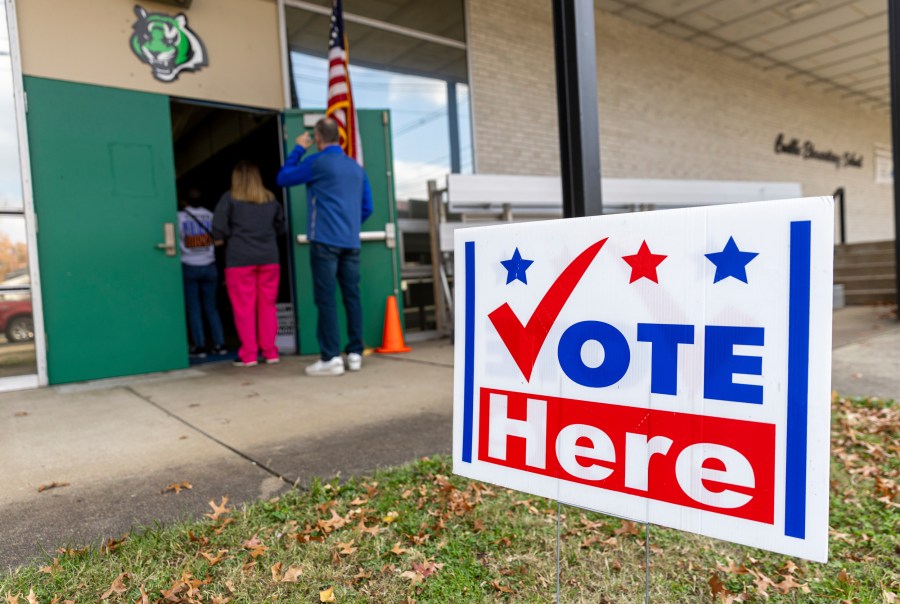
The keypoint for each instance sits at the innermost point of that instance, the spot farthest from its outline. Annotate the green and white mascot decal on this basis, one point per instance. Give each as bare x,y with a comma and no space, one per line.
167,44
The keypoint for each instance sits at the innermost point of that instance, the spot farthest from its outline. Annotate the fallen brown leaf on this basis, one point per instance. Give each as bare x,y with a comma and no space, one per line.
292,574
276,571
52,568
52,485
213,560
224,522
734,569
413,576
177,487
117,587
112,545
427,569
218,510
374,530
397,549
788,568
500,587
716,585
762,583
345,549
144,598
258,551
788,584
628,528
32,599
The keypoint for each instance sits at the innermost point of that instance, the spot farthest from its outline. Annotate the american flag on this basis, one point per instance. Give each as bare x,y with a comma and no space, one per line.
340,94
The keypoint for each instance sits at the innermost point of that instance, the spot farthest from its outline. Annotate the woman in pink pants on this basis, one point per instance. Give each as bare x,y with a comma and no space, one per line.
249,220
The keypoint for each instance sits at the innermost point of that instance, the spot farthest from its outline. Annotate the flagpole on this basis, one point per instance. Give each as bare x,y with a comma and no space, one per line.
285,49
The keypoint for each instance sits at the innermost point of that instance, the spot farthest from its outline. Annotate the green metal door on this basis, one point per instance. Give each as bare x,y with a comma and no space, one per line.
379,264
104,187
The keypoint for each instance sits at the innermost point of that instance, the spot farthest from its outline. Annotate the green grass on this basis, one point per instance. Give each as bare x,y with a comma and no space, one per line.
418,533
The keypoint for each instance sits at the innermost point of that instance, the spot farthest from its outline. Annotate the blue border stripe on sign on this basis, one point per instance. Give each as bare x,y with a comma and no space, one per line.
797,381
469,371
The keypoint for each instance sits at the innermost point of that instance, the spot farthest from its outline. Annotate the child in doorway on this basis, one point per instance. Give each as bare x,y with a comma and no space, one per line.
201,277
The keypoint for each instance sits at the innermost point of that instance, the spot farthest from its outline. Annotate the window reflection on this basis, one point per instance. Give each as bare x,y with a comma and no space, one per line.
17,354
10,177
419,117
13,253
17,351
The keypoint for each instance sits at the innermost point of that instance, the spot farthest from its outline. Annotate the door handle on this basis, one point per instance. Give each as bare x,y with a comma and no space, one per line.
168,244
388,235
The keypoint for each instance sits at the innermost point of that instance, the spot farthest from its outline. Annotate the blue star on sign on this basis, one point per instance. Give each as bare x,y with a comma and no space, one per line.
516,267
731,262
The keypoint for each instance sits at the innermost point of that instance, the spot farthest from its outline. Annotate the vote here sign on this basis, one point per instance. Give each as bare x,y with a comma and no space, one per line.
671,367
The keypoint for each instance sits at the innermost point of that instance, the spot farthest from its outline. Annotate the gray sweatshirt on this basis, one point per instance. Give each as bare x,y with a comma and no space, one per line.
250,230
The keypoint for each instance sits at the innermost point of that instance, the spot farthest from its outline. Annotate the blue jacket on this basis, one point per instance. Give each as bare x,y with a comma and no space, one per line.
338,195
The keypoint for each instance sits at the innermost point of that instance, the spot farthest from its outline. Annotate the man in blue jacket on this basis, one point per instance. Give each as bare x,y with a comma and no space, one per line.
338,201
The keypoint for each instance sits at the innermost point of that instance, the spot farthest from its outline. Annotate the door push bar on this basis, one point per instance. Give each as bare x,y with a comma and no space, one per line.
388,235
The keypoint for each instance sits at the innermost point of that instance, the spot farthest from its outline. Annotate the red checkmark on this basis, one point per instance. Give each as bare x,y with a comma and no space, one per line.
525,342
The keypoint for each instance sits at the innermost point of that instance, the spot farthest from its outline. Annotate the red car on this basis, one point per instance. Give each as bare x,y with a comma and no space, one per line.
15,318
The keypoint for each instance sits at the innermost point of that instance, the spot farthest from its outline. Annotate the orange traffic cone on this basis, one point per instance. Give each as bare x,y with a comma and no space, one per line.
392,339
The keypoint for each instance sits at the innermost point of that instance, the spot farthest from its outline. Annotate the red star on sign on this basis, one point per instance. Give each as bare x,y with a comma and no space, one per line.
644,263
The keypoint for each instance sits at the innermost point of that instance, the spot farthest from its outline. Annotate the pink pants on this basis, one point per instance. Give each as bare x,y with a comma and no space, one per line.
253,291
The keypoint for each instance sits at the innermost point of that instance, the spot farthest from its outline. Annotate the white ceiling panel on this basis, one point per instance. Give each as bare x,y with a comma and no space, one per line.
738,10
674,29
699,21
667,8
833,46
816,25
869,47
641,16
869,30
750,27
858,66
870,7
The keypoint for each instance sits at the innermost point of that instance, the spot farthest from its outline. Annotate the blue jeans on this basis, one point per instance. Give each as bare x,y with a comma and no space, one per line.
333,266
200,284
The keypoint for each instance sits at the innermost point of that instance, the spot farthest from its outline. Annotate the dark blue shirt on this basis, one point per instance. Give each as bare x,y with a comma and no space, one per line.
338,195
250,230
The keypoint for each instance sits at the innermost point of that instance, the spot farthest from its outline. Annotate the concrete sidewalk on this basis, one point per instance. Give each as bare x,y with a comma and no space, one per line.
248,433
243,432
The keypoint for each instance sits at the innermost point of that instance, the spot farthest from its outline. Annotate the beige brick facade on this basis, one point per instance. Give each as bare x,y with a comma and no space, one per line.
668,109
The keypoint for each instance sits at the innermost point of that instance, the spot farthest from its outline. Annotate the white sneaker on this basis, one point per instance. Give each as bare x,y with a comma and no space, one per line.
333,366
354,361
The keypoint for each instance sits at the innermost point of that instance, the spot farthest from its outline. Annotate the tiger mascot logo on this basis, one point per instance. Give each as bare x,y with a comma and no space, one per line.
167,44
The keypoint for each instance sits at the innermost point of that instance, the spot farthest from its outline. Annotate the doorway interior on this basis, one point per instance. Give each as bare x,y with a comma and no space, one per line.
209,139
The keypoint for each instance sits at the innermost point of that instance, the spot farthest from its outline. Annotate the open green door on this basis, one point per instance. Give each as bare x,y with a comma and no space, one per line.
104,189
379,264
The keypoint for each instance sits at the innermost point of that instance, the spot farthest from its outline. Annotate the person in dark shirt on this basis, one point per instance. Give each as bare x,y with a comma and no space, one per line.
339,200
249,220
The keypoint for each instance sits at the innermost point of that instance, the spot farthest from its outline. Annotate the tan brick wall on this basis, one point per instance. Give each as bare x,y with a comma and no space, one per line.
668,109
